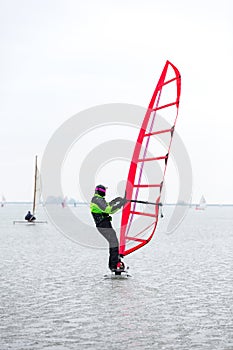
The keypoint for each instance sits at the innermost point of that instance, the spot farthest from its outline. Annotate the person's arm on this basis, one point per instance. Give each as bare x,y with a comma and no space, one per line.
116,204
108,208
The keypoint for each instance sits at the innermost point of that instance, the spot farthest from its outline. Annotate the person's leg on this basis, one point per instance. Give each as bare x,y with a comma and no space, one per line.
113,257
110,235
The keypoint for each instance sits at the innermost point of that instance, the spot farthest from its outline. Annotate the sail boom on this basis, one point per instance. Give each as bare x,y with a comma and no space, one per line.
144,202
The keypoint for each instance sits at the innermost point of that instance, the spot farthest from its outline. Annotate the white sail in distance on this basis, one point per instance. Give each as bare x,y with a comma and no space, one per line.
202,204
37,188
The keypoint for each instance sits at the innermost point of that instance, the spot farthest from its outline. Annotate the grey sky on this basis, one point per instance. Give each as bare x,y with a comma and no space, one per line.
60,57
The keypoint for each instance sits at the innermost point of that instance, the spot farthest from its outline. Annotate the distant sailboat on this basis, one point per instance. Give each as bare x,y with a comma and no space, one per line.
64,202
36,198
3,201
202,204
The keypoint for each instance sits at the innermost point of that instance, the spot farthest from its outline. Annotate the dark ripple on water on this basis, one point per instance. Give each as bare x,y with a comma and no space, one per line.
53,295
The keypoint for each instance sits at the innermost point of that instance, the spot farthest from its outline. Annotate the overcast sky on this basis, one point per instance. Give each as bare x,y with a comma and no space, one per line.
60,57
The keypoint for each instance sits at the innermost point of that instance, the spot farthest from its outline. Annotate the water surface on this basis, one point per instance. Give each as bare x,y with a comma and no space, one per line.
53,294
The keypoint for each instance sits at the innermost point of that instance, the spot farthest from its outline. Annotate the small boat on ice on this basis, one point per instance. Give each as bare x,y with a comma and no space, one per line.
202,204
36,200
3,202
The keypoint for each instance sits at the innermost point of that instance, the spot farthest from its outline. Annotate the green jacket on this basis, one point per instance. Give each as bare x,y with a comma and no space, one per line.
100,209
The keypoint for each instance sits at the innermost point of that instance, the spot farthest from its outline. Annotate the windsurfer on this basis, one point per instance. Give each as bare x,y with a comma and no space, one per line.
29,217
100,210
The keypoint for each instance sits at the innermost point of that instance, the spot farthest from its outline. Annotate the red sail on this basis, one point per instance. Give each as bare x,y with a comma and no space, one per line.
147,170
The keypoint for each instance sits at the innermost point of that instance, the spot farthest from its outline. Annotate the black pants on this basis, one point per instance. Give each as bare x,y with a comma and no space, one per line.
105,228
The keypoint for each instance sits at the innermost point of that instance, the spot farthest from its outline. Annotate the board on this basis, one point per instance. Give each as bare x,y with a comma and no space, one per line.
117,277
29,222
121,274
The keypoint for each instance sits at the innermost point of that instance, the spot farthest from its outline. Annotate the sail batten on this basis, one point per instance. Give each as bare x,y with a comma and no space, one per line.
136,239
165,99
159,132
165,106
147,185
142,213
151,159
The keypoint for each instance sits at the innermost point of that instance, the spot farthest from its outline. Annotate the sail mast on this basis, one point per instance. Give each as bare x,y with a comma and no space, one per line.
34,193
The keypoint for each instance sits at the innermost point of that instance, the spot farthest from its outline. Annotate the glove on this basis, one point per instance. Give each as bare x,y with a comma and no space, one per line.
115,201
